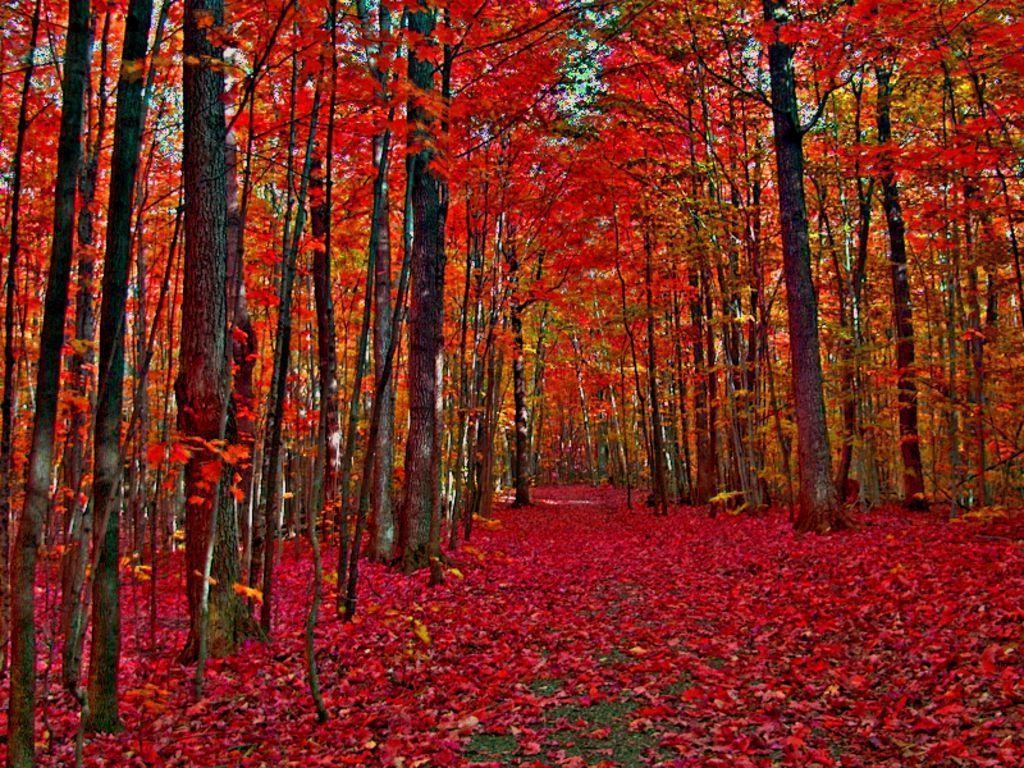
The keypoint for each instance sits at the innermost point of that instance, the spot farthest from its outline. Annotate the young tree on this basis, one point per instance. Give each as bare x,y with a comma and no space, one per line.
903,316
7,398
105,652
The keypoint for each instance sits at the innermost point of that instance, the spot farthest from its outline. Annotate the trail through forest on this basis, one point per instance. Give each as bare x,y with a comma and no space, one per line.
579,632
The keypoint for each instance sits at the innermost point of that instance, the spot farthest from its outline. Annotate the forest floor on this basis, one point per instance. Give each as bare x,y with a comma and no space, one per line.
580,633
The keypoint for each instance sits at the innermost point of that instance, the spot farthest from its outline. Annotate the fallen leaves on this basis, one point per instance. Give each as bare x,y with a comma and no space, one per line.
593,635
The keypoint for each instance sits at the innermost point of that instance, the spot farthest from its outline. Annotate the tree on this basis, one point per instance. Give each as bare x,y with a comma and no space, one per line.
217,617
21,709
421,499
7,399
903,315
819,508
105,654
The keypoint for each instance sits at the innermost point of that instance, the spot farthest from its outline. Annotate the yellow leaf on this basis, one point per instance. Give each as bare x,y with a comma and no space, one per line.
249,592
456,573
81,346
420,630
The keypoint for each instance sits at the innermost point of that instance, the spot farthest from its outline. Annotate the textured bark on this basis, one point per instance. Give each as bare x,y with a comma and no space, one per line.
705,390
382,531
521,418
819,508
421,498
7,400
242,413
381,515
217,617
79,527
105,651
903,316
659,472
21,708
327,356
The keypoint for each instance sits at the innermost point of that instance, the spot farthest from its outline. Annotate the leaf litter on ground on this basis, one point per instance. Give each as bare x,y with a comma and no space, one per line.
582,633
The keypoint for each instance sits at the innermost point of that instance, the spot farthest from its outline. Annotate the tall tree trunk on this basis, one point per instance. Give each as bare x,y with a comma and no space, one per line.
521,454
705,391
279,378
903,318
327,353
659,472
242,407
21,708
684,477
105,651
819,508
217,617
79,526
7,400
421,498
381,514
463,462
244,342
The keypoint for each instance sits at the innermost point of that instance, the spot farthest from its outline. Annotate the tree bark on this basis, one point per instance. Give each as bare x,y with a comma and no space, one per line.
421,498
521,419
7,400
819,508
381,514
21,707
659,472
903,317
79,526
105,651
282,354
217,617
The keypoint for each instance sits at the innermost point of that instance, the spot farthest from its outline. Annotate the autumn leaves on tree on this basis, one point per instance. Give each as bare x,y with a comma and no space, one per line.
366,265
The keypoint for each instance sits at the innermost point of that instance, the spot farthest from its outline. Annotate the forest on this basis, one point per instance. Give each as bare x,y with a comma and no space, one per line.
522,383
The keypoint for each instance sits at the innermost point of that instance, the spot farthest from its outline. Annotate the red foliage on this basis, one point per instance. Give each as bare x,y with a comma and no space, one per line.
578,626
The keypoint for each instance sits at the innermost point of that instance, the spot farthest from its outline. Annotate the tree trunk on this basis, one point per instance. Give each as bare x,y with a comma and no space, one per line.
521,453
21,712
659,484
7,401
279,378
105,651
242,408
79,526
327,355
704,418
903,319
217,617
383,523
421,499
819,508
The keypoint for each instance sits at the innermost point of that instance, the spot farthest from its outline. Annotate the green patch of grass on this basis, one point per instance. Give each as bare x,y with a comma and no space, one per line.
599,732
546,686
614,657
680,686
496,747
